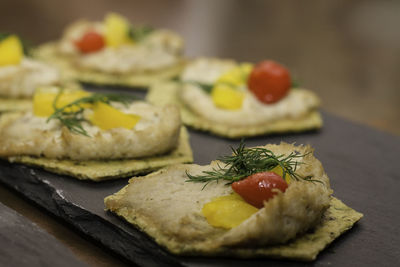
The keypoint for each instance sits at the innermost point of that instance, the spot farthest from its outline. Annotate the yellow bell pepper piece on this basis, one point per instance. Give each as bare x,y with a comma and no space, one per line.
278,170
116,30
227,97
232,77
227,211
43,100
246,69
236,76
107,117
225,93
11,51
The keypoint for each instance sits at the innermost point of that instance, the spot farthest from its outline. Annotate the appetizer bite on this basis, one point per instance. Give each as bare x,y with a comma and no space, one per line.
236,100
268,201
20,75
93,136
115,52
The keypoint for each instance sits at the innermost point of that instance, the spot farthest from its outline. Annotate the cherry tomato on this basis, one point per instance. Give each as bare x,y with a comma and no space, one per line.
269,81
90,42
257,188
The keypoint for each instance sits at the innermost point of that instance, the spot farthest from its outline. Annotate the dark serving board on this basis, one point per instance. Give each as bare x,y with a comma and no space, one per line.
361,162
23,243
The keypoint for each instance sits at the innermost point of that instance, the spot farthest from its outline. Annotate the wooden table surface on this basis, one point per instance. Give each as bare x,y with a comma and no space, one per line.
348,52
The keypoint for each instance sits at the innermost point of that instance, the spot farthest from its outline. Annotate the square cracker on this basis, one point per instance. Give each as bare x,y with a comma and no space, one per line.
140,80
98,170
168,92
14,104
336,220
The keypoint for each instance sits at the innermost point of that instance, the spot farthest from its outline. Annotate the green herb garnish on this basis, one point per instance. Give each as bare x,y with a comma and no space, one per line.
138,33
247,161
4,35
295,84
206,87
71,115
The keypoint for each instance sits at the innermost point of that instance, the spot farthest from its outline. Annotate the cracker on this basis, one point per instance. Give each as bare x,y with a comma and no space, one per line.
14,104
140,80
167,93
336,220
96,170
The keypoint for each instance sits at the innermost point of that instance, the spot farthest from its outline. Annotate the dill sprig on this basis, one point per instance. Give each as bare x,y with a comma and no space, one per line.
204,86
71,115
295,84
138,33
247,161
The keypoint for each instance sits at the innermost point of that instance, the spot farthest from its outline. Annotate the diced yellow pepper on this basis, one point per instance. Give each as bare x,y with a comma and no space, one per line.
232,77
246,69
225,93
107,117
11,51
227,211
116,30
236,76
227,97
43,100
278,170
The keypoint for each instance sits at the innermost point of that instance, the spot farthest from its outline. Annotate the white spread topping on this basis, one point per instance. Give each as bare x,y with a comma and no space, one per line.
160,49
22,80
156,132
253,112
166,200
127,58
206,70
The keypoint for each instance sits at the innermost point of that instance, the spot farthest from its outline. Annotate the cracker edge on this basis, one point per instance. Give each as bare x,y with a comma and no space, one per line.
298,249
14,104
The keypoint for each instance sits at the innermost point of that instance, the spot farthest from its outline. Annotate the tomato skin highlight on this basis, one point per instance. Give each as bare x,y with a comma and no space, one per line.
257,188
269,81
90,42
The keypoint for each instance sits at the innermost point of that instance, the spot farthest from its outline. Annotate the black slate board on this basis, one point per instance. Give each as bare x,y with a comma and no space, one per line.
361,163
23,243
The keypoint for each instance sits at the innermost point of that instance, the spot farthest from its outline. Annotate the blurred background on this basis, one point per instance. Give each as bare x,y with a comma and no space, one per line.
348,52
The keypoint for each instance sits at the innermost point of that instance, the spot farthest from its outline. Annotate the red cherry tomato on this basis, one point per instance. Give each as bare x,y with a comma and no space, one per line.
257,188
90,42
269,81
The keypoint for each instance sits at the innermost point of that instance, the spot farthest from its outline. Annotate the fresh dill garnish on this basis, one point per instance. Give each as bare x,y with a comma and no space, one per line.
247,161
295,84
176,79
206,87
71,115
138,33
